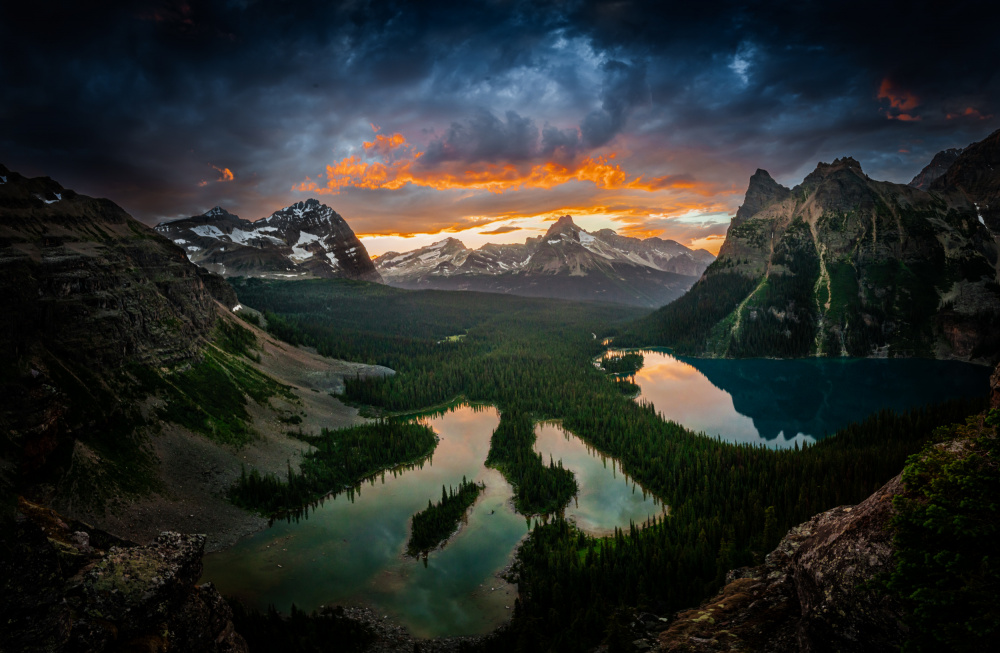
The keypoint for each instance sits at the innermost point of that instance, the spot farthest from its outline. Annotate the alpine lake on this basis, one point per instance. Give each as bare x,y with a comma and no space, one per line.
350,548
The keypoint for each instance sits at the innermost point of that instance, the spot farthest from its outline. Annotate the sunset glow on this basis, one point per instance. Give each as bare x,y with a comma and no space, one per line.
637,205
430,118
393,172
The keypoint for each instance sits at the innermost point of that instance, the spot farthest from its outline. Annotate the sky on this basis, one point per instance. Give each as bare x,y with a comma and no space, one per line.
484,121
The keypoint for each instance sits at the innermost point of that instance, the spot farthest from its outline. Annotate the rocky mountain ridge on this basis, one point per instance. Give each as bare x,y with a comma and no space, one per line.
843,265
305,240
567,262
976,173
813,592
937,167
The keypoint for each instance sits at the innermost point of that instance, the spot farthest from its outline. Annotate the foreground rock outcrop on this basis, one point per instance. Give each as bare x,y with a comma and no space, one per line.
69,587
813,592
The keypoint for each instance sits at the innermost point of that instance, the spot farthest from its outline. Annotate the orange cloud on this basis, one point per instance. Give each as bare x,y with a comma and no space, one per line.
898,99
226,175
969,112
901,102
355,172
386,145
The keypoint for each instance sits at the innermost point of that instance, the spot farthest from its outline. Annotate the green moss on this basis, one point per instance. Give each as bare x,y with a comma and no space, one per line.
947,524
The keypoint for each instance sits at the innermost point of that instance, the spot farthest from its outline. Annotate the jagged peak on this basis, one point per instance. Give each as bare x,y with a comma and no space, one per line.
761,191
847,162
841,165
216,210
447,241
310,209
305,205
563,225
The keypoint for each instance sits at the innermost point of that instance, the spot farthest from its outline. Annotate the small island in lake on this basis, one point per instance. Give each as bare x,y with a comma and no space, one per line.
622,364
434,525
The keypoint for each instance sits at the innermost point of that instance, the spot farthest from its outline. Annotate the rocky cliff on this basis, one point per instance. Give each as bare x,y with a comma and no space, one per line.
843,265
304,240
69,587
566,263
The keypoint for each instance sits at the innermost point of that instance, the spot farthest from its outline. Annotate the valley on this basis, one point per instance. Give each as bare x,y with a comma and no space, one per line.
512,356
302,423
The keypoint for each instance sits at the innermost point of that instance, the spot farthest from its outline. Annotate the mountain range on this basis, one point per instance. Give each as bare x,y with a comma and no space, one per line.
310,240
567,262
305,240
843,265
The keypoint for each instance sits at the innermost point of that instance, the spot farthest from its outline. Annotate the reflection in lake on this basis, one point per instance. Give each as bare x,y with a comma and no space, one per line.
781,402
350,549
607,496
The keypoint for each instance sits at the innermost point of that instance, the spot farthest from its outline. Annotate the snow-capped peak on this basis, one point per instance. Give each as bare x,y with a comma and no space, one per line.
310,208
306,238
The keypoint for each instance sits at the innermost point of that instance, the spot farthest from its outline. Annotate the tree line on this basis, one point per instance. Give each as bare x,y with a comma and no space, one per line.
341,459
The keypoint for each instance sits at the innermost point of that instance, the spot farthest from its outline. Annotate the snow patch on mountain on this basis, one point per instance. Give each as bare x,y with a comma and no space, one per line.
208,231
299,251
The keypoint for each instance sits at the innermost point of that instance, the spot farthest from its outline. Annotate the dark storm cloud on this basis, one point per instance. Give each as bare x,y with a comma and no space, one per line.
624,88
485,137
811,72
559,144
137,101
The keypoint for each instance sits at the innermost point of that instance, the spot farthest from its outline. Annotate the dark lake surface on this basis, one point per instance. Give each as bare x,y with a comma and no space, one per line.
781,402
